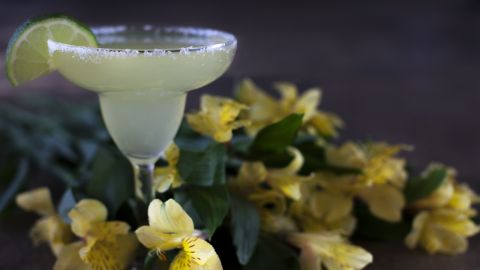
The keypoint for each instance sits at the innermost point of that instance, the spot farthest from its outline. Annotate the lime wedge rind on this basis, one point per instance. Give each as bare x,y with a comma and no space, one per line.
37,53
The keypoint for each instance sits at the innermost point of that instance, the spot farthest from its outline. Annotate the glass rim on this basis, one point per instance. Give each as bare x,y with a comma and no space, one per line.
227,39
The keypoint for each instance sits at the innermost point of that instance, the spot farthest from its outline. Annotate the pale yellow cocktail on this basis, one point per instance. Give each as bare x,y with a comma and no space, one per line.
142,75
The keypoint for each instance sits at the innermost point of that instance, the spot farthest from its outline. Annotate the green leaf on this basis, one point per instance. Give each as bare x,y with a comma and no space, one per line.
245,223
209,204
203,168
276,137
14,175
416,189
373,228
271,253
67,202
112,179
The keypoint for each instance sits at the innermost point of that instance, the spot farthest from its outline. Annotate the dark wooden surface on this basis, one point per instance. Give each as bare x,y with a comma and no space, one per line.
401,71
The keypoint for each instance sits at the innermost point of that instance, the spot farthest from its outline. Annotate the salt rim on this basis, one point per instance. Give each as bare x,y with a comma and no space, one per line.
103,32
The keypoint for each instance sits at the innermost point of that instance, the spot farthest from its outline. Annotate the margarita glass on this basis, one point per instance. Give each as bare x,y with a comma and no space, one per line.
142,75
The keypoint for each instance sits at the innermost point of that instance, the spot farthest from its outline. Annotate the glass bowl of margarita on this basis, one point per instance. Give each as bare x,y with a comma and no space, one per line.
142,75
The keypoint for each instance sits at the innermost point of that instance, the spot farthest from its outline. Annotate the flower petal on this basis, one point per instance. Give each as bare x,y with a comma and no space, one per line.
413,237
69,258
264,109
307,104
289,186
331,206
334,252
38,200
439,239
347,256
288,92
197,249
204,257
113,253
217,117
163,179
384,201
169,217
51,230
172,154
309,260
325,123
296,164
347,155
85,213
153,238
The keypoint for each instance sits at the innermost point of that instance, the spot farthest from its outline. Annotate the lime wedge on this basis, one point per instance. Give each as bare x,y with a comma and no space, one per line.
27,53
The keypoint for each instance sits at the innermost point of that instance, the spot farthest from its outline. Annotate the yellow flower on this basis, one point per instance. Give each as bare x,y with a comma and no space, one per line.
331,206
329,209
287,180
166,177
376,160
462,199
265,110
384,201
272,207
170,227
441,231
249,178
324,123
329,250
50,228
217,117
105,245
450,194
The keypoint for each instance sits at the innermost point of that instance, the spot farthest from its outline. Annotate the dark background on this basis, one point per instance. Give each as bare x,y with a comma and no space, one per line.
401,71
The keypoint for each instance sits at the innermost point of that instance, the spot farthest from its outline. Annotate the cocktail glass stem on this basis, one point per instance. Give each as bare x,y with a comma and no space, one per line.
144,180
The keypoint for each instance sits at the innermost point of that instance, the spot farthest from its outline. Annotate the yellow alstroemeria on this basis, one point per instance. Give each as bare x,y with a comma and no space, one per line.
376,160
249,178
287,180
50,228
385,201
328,209
105,245
327,250
217,117
265,110
450,194
324,123
442,195
331,206
344,226
170,227
272,207
326,204
442,231
463,198
168,176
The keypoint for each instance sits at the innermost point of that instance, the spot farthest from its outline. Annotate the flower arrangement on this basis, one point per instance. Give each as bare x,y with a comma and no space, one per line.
254,176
